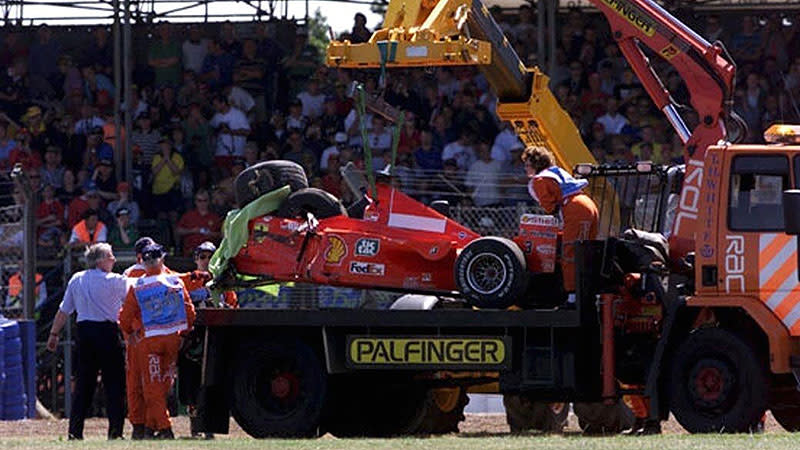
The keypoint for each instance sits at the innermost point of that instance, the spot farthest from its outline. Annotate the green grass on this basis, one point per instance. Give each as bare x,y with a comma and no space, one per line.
772,441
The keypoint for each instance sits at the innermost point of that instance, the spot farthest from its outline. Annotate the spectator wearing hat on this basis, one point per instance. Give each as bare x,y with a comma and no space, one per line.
52,172
96,149
199,224
232,128
156,310
34,123
340,142
96,295
125,234
23,154
124,201
105,180
165,173
88,231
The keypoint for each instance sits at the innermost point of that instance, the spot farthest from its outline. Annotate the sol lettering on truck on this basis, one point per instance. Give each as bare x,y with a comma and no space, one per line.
417,352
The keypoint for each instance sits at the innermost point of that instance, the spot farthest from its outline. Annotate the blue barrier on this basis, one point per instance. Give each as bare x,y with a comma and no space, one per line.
14,399
27,334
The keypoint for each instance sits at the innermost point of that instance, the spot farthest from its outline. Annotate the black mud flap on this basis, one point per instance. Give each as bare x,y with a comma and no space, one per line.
213,411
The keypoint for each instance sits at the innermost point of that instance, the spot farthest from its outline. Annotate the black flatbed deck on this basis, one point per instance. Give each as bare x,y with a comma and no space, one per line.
252,317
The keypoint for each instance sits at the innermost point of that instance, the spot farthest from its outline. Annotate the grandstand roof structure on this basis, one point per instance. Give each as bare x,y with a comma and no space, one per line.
32,12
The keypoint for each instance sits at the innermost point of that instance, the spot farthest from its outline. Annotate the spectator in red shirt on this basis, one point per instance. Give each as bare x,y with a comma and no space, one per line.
49,217
22,153
199,224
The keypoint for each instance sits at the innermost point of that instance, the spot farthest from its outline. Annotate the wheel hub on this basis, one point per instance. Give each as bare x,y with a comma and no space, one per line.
711,383
486,273
284,387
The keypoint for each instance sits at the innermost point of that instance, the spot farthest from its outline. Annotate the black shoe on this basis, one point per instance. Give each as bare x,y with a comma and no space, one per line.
164,434
149,433
138,432
650,427
74,437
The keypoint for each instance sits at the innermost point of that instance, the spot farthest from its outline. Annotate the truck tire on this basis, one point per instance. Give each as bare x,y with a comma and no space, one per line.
717,383
278,390
523,413
491,272
788,417
263,177
320,203
597,418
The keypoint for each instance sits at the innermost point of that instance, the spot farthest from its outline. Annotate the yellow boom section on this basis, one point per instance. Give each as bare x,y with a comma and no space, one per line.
427,33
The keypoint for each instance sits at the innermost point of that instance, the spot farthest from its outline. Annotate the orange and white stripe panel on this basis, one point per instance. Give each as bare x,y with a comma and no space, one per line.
779,287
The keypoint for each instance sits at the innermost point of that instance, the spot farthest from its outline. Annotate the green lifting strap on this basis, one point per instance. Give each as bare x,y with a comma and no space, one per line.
387,51
361,107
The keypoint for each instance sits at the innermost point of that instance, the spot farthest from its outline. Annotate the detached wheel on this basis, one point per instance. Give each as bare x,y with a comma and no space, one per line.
263,177
278,390
491,272
320,203
524,414
597,418
717,384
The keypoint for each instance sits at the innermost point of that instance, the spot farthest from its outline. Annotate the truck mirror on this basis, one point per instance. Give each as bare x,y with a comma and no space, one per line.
791,211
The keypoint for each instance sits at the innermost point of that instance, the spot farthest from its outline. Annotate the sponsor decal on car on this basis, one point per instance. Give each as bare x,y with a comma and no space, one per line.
409,352
260,231
289,225
426,277
367,268
367,247
336,250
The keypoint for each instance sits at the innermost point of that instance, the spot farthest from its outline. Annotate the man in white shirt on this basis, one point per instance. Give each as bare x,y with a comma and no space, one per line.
380,137
340,142
195,50
505,141
484,177
232,129
96,295
461,150
312,100
612,120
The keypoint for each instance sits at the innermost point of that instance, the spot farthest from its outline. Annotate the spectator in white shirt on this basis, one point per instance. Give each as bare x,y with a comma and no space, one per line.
505,141
612,120
484,177
461,150
88,121
232,128
312,100
380,137
195,50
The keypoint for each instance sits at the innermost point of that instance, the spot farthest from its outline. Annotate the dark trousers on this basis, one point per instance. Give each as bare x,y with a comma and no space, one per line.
99,350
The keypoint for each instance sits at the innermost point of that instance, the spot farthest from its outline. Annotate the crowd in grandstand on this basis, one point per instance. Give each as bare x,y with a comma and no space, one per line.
205,107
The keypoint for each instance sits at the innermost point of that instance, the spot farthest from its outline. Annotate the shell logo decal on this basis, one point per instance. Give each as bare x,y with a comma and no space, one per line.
336,250
260,231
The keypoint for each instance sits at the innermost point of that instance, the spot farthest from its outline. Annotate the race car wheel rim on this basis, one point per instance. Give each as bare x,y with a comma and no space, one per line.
486,273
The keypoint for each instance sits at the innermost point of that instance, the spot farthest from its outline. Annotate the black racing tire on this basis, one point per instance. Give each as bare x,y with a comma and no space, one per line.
279,390
717,383
491,272
320,203
266,176
368,408
597,418
523,414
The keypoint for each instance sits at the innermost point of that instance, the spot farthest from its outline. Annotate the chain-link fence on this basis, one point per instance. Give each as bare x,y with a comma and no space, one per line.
11,249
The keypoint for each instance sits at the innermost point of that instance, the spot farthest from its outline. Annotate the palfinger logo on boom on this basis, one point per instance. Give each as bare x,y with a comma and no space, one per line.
633,15
420,352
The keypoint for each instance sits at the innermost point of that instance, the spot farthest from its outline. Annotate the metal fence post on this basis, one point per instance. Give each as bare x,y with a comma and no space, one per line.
67,344
28,241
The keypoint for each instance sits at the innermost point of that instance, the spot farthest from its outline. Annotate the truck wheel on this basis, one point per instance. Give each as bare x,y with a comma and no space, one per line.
278,390
263,177
491,272
316,201
717,384
599,418
524,414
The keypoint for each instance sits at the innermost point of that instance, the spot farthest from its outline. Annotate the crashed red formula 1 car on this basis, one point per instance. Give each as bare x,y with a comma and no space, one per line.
390,242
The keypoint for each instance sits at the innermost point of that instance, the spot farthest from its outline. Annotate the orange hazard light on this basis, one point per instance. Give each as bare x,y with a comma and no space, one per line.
783,134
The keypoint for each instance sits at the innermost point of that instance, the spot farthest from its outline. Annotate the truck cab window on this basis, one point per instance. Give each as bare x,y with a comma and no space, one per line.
756,187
